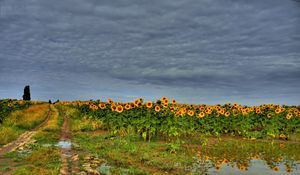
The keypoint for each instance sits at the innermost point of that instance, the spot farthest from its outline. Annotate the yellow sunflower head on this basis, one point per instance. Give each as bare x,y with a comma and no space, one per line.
289,116
277,111
109,101
227,114
191,113
157,108
137,102
102,105
149,104
127,106
113,107
119,108
201,115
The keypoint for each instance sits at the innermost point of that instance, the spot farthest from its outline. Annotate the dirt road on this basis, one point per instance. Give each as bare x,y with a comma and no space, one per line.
70,163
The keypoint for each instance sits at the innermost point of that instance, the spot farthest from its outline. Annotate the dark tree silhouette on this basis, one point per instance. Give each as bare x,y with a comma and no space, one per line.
50,102
26,95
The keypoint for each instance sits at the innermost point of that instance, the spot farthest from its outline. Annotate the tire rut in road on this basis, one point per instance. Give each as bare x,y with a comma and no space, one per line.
69,157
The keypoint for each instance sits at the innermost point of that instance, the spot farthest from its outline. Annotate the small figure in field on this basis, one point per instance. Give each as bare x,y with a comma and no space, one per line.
26,95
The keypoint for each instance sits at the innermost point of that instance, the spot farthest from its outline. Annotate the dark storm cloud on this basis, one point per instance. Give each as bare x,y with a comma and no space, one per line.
196,51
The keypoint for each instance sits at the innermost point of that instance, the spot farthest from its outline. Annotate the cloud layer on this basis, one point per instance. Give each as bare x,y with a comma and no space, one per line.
196,51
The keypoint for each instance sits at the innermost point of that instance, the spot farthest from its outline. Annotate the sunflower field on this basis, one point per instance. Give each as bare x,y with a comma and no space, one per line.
9,105
167,119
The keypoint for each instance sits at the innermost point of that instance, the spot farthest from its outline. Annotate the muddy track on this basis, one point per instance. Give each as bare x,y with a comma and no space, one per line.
70,160
24,138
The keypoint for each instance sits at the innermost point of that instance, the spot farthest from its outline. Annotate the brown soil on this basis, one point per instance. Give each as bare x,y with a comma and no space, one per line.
23,138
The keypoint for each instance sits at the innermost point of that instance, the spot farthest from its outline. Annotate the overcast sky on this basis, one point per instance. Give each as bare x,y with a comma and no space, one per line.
196,51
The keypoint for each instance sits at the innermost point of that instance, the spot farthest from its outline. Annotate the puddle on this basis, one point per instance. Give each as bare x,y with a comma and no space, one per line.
256,167
64,144
238,157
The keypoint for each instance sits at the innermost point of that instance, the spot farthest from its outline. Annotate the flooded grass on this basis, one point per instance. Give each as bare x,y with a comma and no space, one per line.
232,156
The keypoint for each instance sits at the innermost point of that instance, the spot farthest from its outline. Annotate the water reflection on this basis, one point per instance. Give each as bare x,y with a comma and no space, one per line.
244,157
64,144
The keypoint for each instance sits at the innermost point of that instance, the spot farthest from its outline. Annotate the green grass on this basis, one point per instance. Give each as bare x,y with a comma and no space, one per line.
132,153
9,133
20,121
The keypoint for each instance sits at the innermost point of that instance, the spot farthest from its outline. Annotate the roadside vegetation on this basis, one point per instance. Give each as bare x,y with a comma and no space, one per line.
22,120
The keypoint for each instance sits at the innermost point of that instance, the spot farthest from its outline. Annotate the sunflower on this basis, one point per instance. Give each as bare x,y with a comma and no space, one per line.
132,105
201,115
163,99
235,112
157,108
191,113
276,168
180,113
277,111
258,110
109,101
113,107
222,111
269,115
119,108
227,114
93,107
102,106
165,105
174,102
149,104
207,111
289,116
127,106
136,102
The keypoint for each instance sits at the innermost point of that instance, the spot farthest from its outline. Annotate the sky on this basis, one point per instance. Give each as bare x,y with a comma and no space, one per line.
195,51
